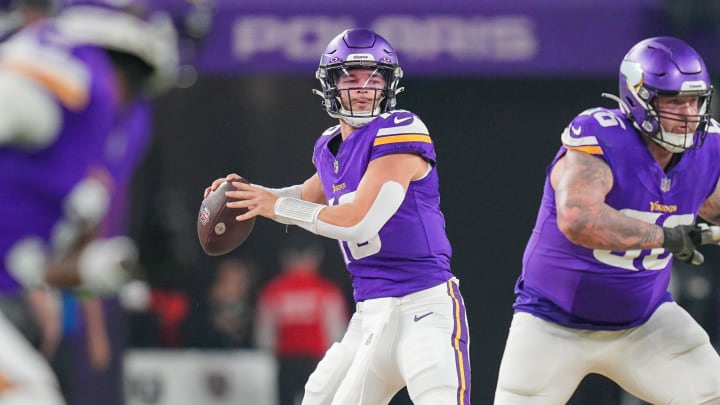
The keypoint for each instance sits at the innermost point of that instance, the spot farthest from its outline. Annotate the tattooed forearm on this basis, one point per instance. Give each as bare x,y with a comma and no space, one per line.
585,218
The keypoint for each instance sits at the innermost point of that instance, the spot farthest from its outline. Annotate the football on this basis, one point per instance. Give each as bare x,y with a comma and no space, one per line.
217,229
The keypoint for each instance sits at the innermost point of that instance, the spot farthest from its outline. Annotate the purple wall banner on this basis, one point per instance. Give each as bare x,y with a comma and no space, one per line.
433,38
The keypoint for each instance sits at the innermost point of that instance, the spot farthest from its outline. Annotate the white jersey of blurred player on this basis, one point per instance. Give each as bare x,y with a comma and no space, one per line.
60,98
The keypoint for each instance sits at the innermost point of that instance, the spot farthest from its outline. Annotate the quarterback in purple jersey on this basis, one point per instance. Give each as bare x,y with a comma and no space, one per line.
621,199
376,191
65,82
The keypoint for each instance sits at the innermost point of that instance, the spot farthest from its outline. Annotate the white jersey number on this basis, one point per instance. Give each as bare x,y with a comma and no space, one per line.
646,260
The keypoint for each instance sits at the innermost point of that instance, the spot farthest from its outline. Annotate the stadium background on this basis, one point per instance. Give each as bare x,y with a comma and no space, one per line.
496,84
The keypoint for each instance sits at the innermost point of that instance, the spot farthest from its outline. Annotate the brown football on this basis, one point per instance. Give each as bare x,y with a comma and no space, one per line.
217,229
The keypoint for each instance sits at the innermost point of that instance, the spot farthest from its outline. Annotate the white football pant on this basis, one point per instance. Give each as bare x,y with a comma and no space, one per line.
667,360
419,341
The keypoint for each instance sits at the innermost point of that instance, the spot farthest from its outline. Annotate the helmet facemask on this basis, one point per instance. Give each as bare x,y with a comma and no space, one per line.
689,139
366,95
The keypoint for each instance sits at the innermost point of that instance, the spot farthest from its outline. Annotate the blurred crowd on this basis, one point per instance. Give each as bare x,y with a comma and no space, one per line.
294,315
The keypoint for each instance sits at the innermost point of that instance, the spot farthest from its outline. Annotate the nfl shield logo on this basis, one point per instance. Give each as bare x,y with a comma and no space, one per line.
204,215
336,166
665,185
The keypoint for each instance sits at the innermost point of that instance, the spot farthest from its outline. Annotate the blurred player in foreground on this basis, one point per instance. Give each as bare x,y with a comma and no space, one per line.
621,199
16,14
376,191
64,84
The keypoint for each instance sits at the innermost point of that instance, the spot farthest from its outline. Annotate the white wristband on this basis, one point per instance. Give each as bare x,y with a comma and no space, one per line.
291,191
294,211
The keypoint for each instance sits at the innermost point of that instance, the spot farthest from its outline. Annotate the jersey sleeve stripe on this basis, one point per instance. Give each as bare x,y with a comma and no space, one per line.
593,150
73,95
402,138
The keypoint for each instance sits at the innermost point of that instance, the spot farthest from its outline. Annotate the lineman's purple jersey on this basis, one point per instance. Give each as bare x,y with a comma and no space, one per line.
598,289
411,252
33,183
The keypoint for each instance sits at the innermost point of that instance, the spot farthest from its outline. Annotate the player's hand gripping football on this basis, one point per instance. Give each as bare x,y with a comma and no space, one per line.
258,201
683,240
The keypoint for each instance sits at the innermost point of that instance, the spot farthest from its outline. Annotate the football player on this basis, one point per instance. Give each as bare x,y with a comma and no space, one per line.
620,202
376,191
65,83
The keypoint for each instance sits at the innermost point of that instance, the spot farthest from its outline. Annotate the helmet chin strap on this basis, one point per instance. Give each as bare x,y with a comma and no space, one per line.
358,119
357,122
672,142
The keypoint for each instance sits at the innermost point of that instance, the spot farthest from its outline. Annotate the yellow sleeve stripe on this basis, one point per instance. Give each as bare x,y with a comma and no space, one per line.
72,95
401,138
593,150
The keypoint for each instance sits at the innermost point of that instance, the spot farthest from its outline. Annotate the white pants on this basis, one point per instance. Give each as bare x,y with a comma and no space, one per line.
419,341
30,379
667,360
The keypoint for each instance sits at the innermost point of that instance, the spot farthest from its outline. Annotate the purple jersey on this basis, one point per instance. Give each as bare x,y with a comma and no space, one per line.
599,289
124,151
411,251
33,182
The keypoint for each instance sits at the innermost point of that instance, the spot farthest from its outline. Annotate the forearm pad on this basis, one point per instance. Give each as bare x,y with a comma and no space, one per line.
294,211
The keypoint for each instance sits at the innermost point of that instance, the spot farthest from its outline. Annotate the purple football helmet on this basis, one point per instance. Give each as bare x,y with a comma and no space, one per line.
353,49
664,66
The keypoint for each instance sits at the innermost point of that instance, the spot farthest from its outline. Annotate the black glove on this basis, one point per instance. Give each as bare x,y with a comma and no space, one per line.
683,241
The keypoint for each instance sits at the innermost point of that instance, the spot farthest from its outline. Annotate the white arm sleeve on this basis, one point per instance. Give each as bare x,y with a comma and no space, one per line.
304,214
29,115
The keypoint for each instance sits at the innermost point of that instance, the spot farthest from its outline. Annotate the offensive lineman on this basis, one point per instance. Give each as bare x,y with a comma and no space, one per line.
376,191
621,198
